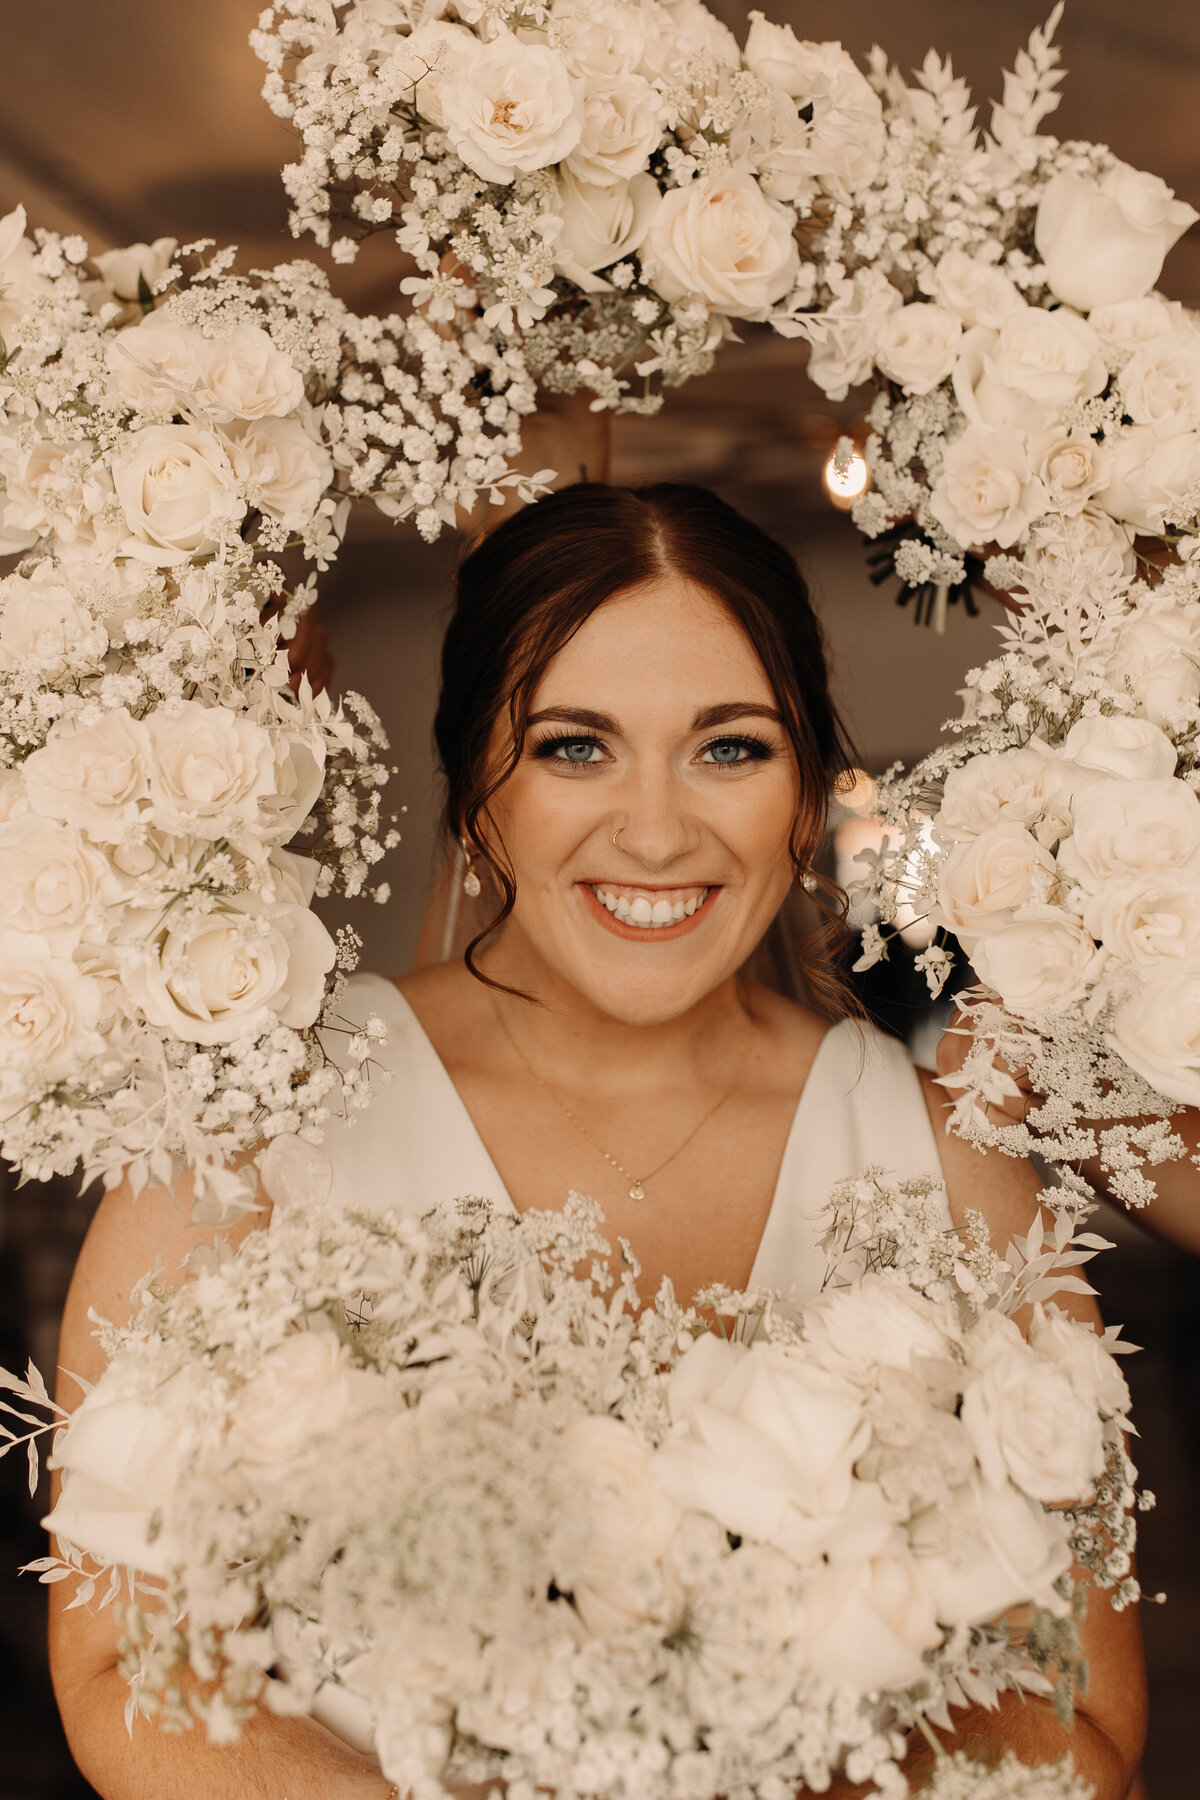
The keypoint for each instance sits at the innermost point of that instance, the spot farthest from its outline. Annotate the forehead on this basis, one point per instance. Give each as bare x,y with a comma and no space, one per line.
669,645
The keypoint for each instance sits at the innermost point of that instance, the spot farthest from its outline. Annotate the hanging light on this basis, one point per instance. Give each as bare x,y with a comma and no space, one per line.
845,474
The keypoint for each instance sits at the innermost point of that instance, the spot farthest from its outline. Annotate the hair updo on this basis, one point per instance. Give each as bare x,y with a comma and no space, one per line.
524,591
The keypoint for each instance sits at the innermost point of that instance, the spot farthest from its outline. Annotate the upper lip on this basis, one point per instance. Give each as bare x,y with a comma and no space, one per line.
646,887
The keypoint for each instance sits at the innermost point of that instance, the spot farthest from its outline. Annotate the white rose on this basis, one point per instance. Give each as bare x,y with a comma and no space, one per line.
285,471
679,31
1145,465
620,129
774,54
843,337
303,1388
599,38
1158,656
1052,357
122,1458
246,376
20,281
764,1442
1078,1350
629,1520
984,1550
1089,547
866,1625
880,1321
848,135
1131,828
295,877
1025,787
154,366
1128,324
721,239
987,401
509,108
987,491
92,776
299,778
917,345
126,272
175,485
1025,1420
208,768
1161,382
1105,241
420,62
50,880
49,1012
1149,919
975,290
985,878
1040,963
601,225
236,970
1111,744
1157,1032
45,490
42,624
1071,466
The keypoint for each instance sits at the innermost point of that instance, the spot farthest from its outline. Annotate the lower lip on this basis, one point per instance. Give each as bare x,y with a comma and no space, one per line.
646,934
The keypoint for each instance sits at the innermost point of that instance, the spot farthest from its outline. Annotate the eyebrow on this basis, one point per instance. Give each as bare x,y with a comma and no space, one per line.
703,720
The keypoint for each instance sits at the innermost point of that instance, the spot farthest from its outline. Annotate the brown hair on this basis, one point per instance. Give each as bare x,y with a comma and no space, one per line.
525,590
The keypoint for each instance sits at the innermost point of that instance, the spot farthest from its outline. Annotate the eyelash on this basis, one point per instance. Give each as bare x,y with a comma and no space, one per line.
759,749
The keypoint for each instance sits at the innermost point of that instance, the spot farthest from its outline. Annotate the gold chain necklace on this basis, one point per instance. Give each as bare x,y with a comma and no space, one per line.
637,1184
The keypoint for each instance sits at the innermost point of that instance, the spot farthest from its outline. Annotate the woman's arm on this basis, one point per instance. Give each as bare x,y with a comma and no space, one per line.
1110,1720
277,1759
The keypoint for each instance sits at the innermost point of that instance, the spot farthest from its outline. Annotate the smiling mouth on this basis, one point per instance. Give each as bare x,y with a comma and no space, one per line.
649,909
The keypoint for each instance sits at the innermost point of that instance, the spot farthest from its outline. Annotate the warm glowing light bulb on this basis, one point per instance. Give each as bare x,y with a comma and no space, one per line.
845,484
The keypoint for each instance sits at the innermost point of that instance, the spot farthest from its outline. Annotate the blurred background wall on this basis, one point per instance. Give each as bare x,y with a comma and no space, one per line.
132,119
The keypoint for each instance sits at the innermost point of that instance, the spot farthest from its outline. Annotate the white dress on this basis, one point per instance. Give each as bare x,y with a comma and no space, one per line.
416,1145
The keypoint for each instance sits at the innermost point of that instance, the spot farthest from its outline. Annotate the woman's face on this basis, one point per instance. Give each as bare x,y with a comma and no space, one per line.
655,723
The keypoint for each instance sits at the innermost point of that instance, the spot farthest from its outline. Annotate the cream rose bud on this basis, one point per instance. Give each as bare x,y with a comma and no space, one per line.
1071,466
246,376
420,63
49,1013
984,879
510,108
1078,1350
879,1322
983,1550
1053,357
1025,1420
176,488
987,491
975,290
1128,324
92,776
843,337
1025,787
208,769
284,469
1112,744
304,1388
234,971
719,239
601,225
51,880
154,366
1131,828
125,272
1161,381
1105,240
1157,1032
620,129
865,1626
917,345
44,627
629,1520
1149,919
1038,964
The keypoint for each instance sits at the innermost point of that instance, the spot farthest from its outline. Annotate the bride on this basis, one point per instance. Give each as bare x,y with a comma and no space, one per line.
638,743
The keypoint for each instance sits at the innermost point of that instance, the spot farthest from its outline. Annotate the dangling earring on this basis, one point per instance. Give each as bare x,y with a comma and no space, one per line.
472,887
808,882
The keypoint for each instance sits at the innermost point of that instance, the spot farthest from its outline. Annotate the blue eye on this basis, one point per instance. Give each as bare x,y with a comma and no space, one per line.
730,753
577,751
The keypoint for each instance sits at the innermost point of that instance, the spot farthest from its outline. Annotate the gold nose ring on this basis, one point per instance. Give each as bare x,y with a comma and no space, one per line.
616,835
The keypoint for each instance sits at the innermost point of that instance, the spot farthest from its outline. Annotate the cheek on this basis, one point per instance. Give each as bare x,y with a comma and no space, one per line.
541,819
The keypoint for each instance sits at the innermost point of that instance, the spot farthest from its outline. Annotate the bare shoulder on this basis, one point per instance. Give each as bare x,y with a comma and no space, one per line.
454,1010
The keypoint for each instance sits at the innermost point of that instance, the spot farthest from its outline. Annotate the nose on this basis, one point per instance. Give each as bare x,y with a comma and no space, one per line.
658,827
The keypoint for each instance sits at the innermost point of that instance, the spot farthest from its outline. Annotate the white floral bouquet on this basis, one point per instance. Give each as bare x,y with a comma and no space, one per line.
609,184
165,434
486,1515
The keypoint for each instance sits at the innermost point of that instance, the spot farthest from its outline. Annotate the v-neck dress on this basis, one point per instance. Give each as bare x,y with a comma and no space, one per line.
416,1144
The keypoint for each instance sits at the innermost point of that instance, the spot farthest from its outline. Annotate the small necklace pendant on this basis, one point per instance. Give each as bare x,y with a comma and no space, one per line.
637,1191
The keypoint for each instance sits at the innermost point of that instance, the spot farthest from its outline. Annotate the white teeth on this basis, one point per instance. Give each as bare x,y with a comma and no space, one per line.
647,914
